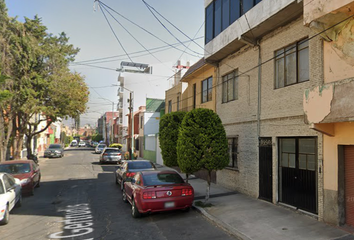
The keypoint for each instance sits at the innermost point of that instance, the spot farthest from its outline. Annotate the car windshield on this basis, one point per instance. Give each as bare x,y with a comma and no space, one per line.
55,146
15,168
112,151
139,165
162,179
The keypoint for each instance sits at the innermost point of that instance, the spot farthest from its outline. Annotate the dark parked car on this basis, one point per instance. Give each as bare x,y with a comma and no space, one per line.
54,150
157,191
110,155
127,170
27,171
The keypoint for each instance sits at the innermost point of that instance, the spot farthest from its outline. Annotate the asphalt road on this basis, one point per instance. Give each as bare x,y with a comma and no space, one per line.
78,199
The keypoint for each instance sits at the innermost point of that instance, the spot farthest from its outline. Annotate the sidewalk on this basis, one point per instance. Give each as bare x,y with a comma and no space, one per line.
250,218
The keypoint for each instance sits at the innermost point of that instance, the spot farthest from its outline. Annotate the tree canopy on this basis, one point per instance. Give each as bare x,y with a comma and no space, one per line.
168,135
36,78
202,143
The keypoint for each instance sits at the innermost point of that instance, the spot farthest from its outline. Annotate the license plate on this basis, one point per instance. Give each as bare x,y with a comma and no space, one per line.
169,204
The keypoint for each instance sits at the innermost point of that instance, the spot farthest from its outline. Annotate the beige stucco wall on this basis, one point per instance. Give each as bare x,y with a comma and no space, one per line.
314,9
172,93
197,77
343,136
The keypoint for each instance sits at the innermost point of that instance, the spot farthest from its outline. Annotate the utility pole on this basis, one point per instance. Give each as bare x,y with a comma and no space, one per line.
112,123
131,126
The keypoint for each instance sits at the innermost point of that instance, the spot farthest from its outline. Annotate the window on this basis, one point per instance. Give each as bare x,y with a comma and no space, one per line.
233,142
292,64
207,89
169,106
230,87
177,103
222,13
298,153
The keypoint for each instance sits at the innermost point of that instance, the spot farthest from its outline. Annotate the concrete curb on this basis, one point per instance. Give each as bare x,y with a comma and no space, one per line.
226,227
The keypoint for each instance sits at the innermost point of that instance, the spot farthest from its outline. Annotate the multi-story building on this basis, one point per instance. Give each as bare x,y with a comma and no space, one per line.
136,83
329,105
265,59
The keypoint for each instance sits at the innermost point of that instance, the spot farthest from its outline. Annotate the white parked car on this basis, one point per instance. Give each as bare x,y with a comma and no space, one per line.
99,148
10,196
82,144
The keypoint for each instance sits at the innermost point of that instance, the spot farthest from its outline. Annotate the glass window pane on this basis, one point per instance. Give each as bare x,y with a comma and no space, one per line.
230,89
303,44
307,145
290,49
288,145
311,162
247,5
204,91
279,54
290,68
225,14
209,20
292,160
234,10
217,15
224,91
302,161
279,73
284,160
235,87
303,63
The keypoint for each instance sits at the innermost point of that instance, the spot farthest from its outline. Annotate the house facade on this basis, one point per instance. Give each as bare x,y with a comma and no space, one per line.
329,105
266,58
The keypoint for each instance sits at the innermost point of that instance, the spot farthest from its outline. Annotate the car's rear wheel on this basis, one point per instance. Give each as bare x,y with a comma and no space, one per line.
39,181
6,218
135,212
124,196
31,193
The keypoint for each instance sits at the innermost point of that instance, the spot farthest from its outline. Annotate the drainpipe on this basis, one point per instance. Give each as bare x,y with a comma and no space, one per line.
259,91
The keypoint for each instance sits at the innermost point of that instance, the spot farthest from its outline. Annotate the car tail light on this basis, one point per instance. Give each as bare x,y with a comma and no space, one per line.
187,192
149,195
130,174
105,154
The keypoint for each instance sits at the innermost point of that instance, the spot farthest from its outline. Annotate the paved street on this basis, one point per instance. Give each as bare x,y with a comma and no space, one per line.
76,186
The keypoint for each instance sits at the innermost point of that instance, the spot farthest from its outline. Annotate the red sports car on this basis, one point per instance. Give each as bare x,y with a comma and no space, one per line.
156,191
25,170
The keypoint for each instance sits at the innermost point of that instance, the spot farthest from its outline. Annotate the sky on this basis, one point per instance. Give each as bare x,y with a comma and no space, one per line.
132,34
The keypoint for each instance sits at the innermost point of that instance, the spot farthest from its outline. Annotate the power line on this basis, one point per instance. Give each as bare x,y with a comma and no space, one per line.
147,30
115,33
134,37
149,7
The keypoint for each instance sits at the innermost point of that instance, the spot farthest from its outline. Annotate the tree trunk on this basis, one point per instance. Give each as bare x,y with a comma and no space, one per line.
3,149
28,146
207,195
187,176
6,126
18,143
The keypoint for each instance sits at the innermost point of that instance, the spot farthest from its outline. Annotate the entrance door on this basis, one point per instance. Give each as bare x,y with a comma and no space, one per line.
349,184
297,173
265,169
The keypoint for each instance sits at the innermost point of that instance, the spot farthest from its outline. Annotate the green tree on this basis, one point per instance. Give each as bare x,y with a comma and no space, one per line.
97,137
168,135
202,143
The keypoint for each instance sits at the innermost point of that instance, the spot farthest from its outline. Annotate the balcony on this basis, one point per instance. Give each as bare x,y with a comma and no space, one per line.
328,104
260,20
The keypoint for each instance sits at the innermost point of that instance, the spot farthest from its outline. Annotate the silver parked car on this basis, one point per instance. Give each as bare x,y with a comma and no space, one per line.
99,148
111,155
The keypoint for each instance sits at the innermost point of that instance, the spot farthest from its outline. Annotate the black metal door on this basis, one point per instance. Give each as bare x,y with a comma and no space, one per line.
265,169
298,173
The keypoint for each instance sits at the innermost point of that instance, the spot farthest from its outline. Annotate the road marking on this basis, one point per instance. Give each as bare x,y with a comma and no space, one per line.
78,222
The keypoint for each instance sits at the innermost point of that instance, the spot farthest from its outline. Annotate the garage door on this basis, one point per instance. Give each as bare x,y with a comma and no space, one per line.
349,184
